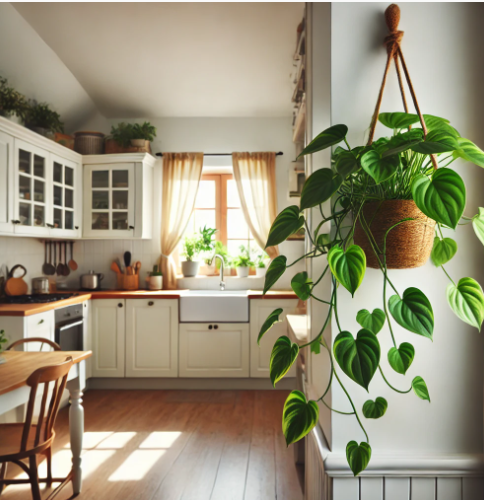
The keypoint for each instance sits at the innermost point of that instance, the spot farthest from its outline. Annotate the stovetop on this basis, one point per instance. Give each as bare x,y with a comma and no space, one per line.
35,299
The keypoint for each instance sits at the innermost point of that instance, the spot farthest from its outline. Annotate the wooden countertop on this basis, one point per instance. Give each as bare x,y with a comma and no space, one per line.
30,309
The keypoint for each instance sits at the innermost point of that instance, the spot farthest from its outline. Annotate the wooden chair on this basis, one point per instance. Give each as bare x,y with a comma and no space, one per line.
24,441
55,346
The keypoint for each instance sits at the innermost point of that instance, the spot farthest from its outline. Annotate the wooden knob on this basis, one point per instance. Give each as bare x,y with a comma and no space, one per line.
392,17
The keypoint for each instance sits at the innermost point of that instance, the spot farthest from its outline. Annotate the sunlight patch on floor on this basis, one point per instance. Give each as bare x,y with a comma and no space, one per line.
137,465
160,440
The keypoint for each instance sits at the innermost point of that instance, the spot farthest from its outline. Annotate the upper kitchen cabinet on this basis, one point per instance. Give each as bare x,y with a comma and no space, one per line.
6,183
118,195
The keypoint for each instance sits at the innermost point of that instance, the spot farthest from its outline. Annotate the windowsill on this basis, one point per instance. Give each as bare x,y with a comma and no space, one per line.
213,283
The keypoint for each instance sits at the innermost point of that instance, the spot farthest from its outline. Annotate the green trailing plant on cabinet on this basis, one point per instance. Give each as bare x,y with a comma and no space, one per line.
41,116
12,102
399,167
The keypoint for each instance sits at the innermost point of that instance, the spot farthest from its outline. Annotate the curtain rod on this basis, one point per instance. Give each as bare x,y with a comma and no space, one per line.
280,153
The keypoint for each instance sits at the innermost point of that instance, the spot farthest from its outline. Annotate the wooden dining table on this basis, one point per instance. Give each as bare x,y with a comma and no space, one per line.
14,392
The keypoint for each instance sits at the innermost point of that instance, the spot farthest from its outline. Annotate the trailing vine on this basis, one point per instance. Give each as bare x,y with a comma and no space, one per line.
401,167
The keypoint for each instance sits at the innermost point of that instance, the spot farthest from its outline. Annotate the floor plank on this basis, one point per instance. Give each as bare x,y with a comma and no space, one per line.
178,445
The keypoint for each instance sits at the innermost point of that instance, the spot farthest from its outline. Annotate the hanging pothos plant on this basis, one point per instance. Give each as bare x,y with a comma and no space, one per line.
400,167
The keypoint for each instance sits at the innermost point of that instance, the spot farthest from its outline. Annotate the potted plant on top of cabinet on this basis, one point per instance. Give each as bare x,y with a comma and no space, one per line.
130,138
243,262
43,120
13,105
142,133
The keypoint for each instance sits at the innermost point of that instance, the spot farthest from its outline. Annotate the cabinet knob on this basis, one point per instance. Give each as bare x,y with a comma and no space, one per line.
216,327
210,327
76,227
151,303
15,222
50,225
120,305
41,321
131,227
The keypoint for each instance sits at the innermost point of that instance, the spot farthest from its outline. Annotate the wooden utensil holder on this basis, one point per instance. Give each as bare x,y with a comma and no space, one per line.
128,282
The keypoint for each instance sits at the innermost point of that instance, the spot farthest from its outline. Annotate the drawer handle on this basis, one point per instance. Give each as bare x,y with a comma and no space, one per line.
41,321
216,327
151,303
15,222
120,305
50,225
210,327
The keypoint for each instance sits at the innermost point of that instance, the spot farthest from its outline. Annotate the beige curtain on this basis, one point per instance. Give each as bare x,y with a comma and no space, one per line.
255,176
181,177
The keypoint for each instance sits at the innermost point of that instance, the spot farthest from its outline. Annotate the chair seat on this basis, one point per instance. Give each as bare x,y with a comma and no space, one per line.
11,437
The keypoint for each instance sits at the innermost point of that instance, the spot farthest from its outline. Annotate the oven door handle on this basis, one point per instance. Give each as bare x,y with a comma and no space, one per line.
70,325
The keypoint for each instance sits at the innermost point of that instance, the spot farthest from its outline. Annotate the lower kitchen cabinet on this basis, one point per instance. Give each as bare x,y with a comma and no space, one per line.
260,355
214,350
151,338
108,338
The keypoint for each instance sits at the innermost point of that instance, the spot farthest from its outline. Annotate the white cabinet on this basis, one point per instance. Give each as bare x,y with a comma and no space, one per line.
6,184
40,325
118,196
214,350
151,338
108,336
260,355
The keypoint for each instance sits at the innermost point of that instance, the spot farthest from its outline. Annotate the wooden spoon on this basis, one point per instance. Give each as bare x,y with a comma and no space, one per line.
115,268
137,267
60,266
46,268
50,266
65,271
72,263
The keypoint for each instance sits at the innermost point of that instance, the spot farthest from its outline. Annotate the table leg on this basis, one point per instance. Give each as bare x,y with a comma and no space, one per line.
76,427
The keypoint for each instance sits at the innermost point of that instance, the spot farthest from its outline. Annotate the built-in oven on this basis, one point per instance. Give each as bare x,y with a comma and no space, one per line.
69,328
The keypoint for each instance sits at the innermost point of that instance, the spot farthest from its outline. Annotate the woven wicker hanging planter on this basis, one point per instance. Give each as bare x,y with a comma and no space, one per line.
410,243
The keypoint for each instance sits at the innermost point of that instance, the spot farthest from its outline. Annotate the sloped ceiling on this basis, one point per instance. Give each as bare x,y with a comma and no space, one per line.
175,59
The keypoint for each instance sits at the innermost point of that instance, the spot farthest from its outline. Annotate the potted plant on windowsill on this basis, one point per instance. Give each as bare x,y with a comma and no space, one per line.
43,120
260,265
190,266
206,248
3,340
13,105
155,279
243,263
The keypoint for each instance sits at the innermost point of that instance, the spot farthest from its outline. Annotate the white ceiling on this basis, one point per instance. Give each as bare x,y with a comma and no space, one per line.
175,59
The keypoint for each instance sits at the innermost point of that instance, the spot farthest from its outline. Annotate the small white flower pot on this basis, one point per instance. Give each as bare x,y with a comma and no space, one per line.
243,272
260,272
155,283
190,268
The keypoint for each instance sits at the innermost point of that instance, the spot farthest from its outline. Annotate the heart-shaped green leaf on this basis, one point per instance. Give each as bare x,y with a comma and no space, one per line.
348,267
433,122
400,359
467,301
401,142
375,409
299,416
271,320
437,141
358,457
478,224
443,198
468,151
288,222
319,187
378,168
358,358
302,285
283,355
420,388
413,311
275,270
325,139
443,250
323,240
397,120
371,321
346,164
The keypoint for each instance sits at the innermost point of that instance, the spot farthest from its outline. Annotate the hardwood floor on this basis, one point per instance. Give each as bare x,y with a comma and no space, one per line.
178,445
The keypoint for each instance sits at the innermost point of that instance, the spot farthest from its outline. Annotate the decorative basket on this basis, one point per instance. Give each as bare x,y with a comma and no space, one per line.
89,143
408,245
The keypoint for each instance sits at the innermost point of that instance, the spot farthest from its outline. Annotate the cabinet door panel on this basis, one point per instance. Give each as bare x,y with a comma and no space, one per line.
108,327
260,355
151,338
220,351
40,325
6,183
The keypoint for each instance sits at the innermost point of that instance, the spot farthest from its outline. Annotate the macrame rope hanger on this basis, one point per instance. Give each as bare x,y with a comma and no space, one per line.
394,51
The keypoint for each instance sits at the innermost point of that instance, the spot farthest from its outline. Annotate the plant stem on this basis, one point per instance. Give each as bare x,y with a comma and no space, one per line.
322,276
447,274
390,385
346,142
320,300
336,411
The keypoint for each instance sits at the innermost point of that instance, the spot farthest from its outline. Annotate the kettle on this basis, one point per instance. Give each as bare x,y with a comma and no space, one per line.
91,281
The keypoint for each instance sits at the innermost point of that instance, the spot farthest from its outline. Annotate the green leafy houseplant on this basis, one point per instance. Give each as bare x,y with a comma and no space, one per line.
146,131
124,133
399,167
12,102
190,248
40,116
243,259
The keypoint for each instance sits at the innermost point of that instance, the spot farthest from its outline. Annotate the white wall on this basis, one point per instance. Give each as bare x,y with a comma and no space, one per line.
442,46
33,68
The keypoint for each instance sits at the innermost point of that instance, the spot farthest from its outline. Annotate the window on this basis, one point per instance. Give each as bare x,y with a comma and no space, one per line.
218,206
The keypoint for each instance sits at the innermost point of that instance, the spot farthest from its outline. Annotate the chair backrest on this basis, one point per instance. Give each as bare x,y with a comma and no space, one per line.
55,346
47,416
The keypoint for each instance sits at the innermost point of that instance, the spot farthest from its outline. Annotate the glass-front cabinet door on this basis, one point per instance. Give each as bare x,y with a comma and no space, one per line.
32,197
65,191
6,184
109,200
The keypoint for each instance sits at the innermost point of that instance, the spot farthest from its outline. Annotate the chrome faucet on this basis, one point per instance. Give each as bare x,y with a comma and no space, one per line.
222,283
